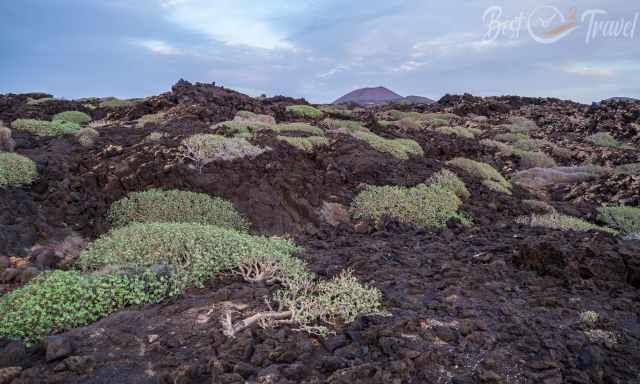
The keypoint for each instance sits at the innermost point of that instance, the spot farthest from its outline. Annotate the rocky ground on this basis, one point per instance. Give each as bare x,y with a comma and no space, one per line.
496,302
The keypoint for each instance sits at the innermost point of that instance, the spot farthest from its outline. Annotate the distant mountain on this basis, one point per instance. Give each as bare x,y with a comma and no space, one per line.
621,99
378,96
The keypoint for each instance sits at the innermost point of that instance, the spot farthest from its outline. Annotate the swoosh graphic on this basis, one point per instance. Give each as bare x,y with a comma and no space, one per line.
559,29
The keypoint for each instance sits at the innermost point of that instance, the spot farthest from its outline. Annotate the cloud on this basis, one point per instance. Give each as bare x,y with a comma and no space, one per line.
235,23
158,47
410,66
588,70
459,43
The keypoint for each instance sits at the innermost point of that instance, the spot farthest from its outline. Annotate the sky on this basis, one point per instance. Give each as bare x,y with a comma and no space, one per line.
322,49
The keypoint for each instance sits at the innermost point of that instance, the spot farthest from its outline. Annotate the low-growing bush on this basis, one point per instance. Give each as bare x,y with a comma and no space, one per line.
456,131
45,128
435,120
154,136
563,222
305,111
490,177
7,144
156,205
112,102
306,144
521,124
203,149
298,127
400,148
623,218
42,100
425,206
632,169
251,117
450,181
537,178
604,139
72,117
242,128
58,301
530,159
16,170
511,137
86,136
194,253
152,118
349,126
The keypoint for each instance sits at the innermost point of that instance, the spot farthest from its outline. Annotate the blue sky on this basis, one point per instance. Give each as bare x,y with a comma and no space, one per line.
317,49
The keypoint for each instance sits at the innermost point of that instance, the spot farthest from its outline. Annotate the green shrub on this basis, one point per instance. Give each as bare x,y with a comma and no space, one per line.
72,117
425,206
603,139
521,125
194,253
435,120
242,128
535,160
456,131
45,128
400,148
43,100
112,102
203,149
632,169
57,301
16,170
155,205
152,118
7,143
511,137
563,222
306,144
531,144
305,111
86,136
490,176
349,126
251,117
246,114
623,218
450,181
298,127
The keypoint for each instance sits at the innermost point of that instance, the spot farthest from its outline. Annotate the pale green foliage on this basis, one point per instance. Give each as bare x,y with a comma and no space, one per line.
43,100
242,127
456,131
604,139
416,120
589,318
152,118
72,117
349,126
298,127
45,128
491,178
425,206
154,136
305,111
203,149
154,205
526,149
535,160
511,137
562,222
439,119
451,181
400,148
632,169
112,102
306,144
195,253
16,170
245,114
86,136
623,218
521,124
57,301
6,141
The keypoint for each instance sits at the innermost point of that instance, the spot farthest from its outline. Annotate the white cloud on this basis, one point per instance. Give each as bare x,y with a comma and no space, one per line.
459,43
588,70
238,23
410,66
158,47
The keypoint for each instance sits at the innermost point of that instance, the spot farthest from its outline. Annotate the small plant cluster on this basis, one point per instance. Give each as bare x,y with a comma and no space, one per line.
152,118
72,117
86,136
154,205
42,100
562,222
624,219
604,139
632,169
519,144
425,205
113,102
589,318
246,124
519,124
16,170
45,128
305,111
7,144
205,148
306,144
416,120
463,132
490,177
399,148
344,126
60,300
